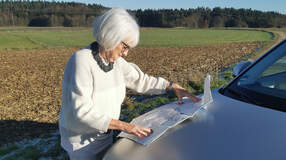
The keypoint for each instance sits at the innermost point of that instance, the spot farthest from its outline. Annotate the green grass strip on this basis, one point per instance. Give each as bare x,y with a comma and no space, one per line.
33,38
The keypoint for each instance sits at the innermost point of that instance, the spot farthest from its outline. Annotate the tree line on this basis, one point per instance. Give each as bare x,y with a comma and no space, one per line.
206,18
47,14
70,14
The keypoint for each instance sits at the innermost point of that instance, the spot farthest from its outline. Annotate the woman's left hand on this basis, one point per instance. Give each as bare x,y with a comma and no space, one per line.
181,92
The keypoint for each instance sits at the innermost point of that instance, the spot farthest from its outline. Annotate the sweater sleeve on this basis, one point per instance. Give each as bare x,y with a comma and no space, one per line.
140,82
80,95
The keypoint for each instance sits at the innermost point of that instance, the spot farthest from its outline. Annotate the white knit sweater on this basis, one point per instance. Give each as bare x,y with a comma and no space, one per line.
92,97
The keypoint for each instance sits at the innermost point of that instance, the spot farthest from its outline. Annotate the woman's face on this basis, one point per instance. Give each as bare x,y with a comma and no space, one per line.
120,50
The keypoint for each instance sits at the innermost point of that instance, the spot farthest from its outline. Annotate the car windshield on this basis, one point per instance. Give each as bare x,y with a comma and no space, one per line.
263,84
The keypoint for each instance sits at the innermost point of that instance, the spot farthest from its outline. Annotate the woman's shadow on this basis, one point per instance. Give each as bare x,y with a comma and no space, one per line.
13,131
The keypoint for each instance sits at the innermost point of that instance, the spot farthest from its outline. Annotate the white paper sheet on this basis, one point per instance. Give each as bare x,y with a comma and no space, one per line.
168,116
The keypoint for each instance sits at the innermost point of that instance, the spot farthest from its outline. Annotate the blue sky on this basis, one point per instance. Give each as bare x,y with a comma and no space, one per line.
262,5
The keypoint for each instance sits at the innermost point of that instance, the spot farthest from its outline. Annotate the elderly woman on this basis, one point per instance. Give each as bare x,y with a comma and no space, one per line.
94,85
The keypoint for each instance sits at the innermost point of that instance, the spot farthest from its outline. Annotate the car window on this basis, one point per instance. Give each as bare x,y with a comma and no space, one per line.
264,83
277,67
268,76
275,76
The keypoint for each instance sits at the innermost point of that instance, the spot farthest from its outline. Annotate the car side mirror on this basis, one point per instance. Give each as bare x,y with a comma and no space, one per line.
241,67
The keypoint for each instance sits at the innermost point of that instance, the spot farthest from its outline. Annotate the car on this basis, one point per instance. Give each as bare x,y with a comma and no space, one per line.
245,121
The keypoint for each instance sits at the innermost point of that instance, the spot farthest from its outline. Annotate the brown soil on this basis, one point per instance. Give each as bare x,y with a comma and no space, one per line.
30,80
182,64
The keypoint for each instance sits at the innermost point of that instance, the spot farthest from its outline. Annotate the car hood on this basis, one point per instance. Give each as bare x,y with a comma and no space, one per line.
227,129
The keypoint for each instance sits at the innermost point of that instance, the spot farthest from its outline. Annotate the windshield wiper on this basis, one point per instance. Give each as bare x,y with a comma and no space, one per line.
242,96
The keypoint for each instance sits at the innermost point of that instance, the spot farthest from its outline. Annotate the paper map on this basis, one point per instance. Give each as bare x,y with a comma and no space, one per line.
168,116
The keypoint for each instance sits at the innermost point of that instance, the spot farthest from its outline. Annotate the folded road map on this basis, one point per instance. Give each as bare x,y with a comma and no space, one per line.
168,116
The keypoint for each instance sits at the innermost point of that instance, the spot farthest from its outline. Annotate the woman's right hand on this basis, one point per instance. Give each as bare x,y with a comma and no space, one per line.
139,131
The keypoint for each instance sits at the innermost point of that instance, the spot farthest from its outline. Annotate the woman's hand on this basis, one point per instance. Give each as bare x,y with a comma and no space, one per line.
181,92
138,131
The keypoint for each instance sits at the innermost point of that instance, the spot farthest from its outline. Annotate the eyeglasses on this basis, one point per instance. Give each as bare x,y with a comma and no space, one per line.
125,47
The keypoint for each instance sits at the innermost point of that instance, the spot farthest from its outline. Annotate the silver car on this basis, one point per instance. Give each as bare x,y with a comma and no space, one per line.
245,121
